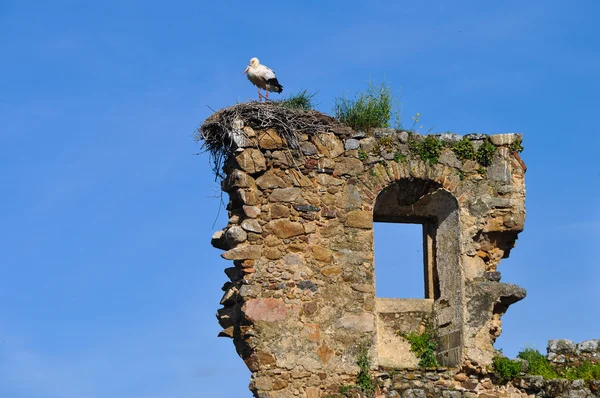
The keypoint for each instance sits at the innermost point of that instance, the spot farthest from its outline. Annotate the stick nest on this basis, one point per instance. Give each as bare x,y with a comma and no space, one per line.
223,131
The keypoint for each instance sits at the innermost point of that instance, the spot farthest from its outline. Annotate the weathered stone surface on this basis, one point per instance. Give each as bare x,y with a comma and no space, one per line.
384,132
348,166
270,139
265,309
285,194
327,180
310,285
308,148
450,137
243,252
360,219
449,158
561,346
251,161
363,287
505,139
351,144
252,225
402,136
331,271
270,180
328,145
306,208
235,235
279,211
589,346
218,240
298,179
476,136
251,211
369,144
283,158
248,197
238,179
362,323
284,228
322,253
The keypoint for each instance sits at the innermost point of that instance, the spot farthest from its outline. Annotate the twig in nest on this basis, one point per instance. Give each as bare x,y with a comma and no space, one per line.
222,131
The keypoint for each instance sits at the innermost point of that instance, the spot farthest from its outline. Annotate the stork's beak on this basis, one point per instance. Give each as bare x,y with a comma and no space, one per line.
247,67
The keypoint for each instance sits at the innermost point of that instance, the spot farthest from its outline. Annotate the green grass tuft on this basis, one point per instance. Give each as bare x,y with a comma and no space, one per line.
370,109
302,101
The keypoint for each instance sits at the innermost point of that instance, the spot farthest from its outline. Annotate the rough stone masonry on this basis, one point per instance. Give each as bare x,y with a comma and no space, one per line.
301,289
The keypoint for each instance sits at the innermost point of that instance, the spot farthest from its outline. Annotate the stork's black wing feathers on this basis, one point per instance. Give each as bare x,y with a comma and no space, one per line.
274,86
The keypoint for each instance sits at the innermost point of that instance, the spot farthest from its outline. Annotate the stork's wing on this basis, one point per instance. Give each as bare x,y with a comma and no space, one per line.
266,73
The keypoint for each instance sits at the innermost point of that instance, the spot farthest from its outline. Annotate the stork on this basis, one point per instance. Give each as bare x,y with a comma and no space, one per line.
262,77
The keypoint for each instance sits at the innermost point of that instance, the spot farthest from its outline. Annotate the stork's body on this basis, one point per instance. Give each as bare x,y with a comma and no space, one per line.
262,77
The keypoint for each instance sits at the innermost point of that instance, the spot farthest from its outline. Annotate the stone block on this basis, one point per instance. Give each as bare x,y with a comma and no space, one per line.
265,309
285,194
251,161
284,228
360,219
561,346
270,139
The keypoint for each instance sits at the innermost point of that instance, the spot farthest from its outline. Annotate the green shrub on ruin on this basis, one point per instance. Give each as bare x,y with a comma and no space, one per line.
506,369
516,146
429,149
485,153
424,347
464,149
539,365
585,371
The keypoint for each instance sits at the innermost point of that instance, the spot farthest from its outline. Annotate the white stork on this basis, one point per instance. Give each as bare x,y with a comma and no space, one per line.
262,77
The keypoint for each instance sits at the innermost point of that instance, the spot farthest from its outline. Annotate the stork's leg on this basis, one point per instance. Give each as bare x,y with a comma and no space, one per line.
260,96
267,91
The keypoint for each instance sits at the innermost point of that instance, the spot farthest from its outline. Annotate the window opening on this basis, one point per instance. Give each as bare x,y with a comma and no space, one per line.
400,258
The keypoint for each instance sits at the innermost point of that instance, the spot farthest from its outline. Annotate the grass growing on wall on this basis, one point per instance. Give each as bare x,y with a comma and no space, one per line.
301,101
369,109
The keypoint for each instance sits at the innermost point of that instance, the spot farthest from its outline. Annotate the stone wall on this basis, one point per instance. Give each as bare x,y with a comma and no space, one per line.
565,353
301,289
454,384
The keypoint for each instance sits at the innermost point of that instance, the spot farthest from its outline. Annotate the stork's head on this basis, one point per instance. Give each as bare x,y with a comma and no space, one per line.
253,64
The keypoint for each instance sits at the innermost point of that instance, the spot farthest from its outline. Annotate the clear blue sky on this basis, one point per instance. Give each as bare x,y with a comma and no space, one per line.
108,282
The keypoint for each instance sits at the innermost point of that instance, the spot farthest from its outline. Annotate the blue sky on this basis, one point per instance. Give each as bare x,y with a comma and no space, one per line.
108,281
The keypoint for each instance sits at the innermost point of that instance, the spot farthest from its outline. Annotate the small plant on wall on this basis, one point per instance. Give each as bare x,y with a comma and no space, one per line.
424,346
364,380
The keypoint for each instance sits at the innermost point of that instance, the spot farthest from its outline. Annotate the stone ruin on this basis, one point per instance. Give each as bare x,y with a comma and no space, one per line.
301,291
